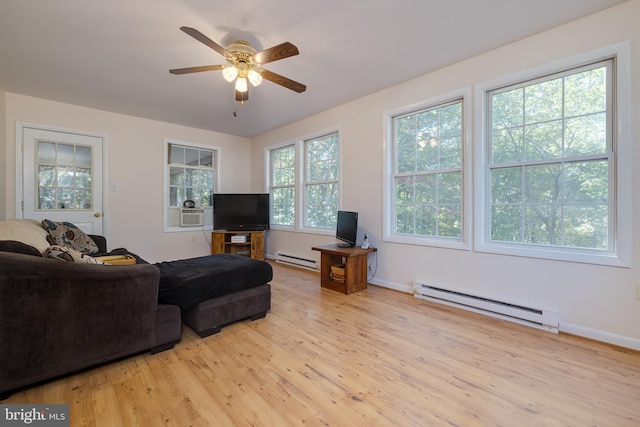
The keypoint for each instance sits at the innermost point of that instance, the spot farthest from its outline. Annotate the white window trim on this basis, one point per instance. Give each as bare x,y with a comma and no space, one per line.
165,196
462,243
622,136
299,144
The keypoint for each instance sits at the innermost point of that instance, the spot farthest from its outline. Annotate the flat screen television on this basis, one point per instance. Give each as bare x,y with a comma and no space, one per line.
347,228
241,211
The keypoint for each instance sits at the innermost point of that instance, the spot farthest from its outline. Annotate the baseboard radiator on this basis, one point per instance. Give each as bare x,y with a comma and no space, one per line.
296,261
529,316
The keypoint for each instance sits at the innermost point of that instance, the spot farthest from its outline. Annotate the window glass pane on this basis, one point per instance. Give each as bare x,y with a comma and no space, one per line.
321,205
65,177
82,199
46,176
543,141
83,157
177,176
283,203
322,159
176,155
405,143
587,182
83,178
191,157
586,92
65,198
65,154
46,198
586,135
283,166
46,153
206,158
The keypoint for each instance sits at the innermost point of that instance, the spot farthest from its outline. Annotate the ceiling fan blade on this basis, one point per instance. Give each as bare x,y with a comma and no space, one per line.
242,96
196,69
282,81
207,41
276,53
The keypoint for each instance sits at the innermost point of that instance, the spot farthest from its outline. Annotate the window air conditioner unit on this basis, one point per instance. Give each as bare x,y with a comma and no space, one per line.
191,217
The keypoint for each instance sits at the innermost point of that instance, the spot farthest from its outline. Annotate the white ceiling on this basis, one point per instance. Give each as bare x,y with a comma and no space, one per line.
115,55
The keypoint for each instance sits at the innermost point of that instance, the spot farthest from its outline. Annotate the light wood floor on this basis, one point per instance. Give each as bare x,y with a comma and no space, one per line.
373,358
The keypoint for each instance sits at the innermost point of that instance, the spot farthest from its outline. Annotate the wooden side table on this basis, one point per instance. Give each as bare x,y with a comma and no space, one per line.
355,267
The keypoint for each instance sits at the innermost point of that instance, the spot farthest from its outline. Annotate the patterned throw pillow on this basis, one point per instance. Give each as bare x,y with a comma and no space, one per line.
67,234
68,254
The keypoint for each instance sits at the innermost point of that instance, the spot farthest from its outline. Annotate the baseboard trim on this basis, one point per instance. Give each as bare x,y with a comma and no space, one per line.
602,336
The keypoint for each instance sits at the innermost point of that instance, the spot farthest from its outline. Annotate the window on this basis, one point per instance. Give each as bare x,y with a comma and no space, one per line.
190,174
551,161
305,173
322,185
64,176
283,190
426,188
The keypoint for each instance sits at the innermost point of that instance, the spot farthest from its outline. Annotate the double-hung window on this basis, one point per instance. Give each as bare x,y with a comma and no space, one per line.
321,182
283,185
304,183
425,192
550,162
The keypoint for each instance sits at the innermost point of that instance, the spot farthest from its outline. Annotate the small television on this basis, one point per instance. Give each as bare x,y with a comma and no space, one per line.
241,212
347,228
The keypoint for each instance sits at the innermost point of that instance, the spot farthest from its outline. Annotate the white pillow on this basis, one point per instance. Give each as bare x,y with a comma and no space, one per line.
27,231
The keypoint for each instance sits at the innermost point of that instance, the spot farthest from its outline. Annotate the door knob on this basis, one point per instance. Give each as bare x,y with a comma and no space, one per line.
97,214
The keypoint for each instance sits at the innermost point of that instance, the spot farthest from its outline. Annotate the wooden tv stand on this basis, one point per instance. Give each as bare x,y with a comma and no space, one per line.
355,267
251,246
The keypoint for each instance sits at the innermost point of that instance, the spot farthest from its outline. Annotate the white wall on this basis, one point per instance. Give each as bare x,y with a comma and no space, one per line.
133,214
594,301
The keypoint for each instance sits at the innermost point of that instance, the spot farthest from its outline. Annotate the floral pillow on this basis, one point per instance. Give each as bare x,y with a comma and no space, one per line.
67,234
68,254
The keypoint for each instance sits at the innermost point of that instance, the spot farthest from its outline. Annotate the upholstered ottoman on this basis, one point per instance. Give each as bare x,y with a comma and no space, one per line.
215,290
207,317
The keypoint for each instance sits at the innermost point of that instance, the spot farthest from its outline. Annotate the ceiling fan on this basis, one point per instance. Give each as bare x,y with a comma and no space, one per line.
244,63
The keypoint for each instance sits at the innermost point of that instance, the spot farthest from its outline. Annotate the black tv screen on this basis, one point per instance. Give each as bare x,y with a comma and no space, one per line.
241,211
347,228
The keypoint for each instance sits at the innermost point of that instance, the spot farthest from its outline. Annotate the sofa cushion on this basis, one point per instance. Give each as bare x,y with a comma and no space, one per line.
68,234
65,253
19,248
27,231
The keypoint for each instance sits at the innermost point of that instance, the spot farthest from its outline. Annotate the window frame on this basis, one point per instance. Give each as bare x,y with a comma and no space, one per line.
216,151
619,164
299,144
389,203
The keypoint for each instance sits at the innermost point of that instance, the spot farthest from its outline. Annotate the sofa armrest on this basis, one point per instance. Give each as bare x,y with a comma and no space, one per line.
57,317
100,241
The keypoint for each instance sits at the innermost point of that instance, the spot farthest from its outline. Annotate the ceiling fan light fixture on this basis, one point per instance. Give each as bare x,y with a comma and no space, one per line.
241,84
254,77
229,73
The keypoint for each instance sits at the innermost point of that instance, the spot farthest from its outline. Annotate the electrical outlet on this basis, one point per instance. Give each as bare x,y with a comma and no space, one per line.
638,291
369,267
